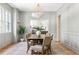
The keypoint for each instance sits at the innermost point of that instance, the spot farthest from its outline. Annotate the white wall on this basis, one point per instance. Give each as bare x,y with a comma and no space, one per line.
15,24
51,16
70,28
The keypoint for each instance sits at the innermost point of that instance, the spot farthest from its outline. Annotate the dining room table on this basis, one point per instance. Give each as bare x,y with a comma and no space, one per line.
36,39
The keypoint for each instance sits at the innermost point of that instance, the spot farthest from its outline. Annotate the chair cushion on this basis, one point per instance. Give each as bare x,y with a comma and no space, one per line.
37,48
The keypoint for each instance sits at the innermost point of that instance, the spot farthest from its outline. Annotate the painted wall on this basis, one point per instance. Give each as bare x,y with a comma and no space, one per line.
70,28
25,18
15,24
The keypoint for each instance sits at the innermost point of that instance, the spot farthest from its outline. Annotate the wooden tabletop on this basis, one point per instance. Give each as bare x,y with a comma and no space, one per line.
34,36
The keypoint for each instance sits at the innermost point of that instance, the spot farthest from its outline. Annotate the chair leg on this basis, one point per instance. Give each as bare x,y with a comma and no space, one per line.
32,52
28,48
46,52
42,52
51,51
27,51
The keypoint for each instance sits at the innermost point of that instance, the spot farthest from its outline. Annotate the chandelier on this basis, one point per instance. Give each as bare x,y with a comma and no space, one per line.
37,11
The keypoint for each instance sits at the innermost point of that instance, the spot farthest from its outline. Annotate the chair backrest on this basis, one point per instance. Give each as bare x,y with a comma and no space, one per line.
51,36
47,34
47,41
28,35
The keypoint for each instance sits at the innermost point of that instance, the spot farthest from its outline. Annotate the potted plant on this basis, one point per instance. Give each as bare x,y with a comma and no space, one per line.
21,32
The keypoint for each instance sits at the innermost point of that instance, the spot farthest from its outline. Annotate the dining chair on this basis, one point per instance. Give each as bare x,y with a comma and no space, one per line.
44,48
51,35
29,43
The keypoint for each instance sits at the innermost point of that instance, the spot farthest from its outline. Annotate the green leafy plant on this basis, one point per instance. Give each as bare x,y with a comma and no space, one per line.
39,28
21,31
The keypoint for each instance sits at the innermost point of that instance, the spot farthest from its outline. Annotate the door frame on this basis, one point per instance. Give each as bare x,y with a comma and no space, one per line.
58,27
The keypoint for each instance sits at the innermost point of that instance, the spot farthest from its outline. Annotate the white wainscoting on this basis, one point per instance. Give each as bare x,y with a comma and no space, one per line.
5,39
71,41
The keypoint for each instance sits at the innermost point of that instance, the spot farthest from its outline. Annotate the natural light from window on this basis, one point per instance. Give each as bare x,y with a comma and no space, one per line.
5,20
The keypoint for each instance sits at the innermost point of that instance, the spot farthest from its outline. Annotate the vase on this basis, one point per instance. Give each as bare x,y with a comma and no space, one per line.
22,39
38,33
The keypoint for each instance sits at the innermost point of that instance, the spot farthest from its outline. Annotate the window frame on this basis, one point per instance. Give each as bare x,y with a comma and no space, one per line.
5,20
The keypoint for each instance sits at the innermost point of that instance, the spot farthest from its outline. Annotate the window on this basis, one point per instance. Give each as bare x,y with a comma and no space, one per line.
5,20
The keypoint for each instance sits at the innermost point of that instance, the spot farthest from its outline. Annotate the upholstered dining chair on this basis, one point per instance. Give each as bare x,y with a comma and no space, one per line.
29,43
44,48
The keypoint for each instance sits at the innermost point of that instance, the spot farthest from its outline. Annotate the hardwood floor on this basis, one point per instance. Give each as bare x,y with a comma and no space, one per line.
20,49
62,49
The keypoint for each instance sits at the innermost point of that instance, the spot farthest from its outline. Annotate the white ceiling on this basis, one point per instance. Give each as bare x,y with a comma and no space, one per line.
44,6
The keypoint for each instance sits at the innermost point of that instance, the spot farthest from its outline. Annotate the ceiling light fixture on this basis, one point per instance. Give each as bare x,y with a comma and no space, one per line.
37,11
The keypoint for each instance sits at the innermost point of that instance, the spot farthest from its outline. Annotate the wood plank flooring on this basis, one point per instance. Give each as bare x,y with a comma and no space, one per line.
21,47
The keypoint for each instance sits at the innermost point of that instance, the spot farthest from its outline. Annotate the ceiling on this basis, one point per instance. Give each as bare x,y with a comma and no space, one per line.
43,6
